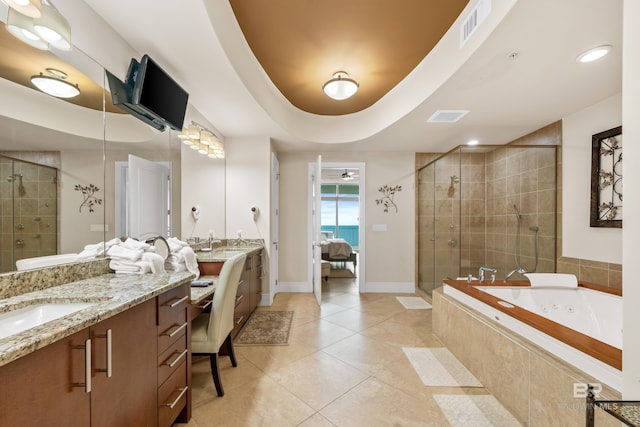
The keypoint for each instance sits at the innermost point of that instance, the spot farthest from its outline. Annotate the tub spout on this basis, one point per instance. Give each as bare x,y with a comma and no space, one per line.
518,270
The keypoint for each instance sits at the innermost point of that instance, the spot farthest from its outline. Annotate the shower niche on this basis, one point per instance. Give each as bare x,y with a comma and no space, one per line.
489,206
28,210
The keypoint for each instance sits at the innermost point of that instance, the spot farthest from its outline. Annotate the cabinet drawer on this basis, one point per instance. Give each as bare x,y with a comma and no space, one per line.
172,396
173,308
243,286
170,359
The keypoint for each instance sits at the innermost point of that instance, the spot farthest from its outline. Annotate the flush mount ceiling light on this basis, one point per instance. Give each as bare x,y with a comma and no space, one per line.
21,26
52,27
30,8
340,86
472,142
593,54
55,85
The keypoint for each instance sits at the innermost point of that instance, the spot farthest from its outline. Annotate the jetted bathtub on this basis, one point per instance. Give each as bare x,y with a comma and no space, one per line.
580,325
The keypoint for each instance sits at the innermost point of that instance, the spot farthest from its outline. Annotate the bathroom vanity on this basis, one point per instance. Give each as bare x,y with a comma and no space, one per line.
122,361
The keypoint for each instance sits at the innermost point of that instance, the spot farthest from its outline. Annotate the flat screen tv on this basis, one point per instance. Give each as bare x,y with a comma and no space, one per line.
156,91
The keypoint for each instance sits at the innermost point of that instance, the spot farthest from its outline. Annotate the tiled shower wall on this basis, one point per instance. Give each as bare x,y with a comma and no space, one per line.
28,207
527,178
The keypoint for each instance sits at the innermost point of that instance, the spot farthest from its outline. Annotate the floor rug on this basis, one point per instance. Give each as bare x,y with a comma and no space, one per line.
474,410
341,272
414,303
266,327
439,367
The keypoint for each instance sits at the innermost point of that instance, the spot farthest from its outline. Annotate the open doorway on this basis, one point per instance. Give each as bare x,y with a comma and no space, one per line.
342,217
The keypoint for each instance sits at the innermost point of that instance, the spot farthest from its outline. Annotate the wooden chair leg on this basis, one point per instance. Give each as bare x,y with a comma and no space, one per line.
229,344
215,373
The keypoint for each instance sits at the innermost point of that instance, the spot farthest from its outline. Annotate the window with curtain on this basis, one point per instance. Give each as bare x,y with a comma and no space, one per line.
340,211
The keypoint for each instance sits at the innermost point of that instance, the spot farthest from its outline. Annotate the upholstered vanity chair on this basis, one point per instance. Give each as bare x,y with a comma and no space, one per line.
210,330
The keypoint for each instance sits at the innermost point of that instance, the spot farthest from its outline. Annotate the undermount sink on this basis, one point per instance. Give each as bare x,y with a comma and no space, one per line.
21,319
227,253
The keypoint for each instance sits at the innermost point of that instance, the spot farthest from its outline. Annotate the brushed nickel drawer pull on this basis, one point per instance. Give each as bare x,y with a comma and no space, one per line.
175,402
177,359
180,301
109,370
207,304
239,298
178,329
239,320
87,366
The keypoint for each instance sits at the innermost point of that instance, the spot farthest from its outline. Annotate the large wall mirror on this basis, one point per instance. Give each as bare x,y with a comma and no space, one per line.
60,159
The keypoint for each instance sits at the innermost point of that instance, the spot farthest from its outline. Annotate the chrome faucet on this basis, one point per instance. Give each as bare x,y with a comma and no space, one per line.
482,270
518,270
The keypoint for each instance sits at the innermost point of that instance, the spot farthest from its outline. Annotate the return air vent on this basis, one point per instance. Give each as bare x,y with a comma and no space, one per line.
473,20
447,116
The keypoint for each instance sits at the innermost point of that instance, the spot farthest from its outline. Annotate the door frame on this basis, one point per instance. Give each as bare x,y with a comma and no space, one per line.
361,268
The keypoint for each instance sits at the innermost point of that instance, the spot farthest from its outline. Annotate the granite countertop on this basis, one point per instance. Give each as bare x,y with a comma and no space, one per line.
112,293
198,294
221,254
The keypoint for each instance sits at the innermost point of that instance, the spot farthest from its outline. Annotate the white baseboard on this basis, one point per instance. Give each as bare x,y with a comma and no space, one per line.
294,287
266,300
390,287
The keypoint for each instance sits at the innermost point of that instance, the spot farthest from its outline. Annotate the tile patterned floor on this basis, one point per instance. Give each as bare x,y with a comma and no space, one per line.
344,367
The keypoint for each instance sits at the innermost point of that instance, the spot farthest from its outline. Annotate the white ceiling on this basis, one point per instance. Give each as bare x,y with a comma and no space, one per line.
200,45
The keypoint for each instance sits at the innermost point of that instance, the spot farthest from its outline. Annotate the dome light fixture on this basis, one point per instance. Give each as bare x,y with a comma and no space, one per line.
54,84
30,8
340,87
594,54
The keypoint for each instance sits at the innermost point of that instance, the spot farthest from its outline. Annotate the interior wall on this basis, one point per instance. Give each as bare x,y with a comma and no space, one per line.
392,250
579,239
631,173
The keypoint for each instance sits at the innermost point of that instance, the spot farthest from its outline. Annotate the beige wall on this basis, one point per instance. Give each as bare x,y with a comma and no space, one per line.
389,263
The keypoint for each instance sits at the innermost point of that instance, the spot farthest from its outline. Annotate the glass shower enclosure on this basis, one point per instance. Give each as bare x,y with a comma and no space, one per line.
491,206
28,211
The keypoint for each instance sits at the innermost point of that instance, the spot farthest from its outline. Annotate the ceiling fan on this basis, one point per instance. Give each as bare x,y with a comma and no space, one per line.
348,175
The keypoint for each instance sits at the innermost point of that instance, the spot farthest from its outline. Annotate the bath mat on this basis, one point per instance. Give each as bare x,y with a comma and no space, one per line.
414,303
438,367
477,410
266,328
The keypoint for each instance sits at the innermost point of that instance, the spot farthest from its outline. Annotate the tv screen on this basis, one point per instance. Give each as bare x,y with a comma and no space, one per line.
156,91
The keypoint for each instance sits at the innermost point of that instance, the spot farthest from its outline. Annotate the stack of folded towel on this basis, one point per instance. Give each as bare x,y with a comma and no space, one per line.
97,249
133,256
181,257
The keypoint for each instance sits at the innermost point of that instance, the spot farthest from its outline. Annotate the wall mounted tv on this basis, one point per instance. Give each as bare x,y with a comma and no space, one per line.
150,94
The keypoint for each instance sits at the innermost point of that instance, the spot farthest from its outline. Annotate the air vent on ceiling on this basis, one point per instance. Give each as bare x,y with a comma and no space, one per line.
474,19
447,116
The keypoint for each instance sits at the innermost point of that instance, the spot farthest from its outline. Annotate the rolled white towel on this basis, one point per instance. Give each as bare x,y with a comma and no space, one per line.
136,244
175,244
155,261
190,260
123,252
123,266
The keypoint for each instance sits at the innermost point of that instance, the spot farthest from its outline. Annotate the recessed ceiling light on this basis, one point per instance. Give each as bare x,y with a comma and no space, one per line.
593,54
472,142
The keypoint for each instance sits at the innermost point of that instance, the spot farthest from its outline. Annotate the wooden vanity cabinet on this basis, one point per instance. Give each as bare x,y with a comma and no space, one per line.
144,385
37,389
48,386
249,291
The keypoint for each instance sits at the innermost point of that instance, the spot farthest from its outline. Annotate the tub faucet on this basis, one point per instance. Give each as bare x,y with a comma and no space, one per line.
482,270
518,270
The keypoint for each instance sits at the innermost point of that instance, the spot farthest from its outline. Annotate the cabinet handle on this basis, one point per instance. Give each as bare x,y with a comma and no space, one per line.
87,366
207,304
178,329
180,301
109,351
239,298
240,282
239,320
175,402
177,359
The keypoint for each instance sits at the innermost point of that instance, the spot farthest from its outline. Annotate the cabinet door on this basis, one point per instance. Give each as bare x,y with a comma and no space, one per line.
38,389
128,396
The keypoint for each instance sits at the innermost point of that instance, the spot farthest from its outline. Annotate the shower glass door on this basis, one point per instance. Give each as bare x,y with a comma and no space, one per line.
28,211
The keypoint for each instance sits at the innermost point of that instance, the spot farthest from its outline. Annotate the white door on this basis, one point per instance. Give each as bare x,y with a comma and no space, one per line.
315,227
275,223
148,199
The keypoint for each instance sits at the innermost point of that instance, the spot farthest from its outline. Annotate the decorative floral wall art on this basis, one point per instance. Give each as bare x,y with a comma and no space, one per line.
89,198
388,193
606,178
